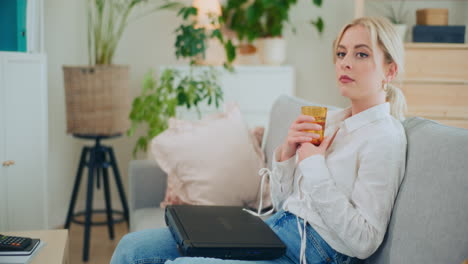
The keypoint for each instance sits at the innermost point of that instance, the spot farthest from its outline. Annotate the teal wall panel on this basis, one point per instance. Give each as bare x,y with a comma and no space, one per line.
13,25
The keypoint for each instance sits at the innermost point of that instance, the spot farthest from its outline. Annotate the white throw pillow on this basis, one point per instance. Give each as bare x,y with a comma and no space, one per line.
214,161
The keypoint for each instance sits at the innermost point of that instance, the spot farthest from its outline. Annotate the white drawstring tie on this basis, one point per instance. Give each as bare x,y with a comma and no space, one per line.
302,234
264,172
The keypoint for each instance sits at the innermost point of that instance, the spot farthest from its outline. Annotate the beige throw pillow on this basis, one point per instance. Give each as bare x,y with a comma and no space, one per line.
214,161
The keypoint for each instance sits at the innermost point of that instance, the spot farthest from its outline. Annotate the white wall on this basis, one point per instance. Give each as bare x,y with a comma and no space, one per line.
64,44
148,43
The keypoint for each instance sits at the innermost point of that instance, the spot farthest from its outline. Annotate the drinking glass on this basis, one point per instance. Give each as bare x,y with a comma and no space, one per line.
320,115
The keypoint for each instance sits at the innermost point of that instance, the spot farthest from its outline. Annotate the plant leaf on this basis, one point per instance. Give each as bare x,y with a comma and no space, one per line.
217,34
317,2
171,6
319,24
230,51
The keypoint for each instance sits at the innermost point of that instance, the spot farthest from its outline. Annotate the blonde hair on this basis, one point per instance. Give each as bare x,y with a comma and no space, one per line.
383,35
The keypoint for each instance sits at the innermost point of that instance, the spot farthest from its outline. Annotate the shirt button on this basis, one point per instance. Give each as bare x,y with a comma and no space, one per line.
328,260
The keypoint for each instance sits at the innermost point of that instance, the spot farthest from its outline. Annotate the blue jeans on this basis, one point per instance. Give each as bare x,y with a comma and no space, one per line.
158,246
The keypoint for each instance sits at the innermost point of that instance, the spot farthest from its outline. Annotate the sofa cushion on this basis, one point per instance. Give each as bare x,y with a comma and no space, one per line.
430,218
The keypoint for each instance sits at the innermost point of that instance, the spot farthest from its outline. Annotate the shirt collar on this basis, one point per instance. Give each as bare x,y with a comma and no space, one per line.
363,118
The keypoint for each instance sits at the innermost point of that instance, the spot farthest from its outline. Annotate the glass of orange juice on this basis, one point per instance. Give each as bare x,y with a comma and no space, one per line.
320,115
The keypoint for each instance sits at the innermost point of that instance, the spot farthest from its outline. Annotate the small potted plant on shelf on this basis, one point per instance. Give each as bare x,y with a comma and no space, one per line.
240,20
197,32
276,15
264,20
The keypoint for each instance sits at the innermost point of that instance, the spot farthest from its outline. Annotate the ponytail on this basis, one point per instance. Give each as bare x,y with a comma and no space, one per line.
397,101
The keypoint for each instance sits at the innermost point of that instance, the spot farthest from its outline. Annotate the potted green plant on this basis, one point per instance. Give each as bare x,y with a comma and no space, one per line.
265,20
192,39
240,20
159,100
97,95
276,15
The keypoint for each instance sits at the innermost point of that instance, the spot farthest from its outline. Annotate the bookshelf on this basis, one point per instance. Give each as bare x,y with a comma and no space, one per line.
435,82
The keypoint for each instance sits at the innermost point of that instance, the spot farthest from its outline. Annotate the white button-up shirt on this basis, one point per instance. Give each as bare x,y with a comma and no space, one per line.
347,195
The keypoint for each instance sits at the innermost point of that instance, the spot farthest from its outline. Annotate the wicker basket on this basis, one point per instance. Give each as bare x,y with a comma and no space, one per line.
97,99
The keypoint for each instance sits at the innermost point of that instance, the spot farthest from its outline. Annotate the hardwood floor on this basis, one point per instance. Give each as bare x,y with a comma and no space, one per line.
101,247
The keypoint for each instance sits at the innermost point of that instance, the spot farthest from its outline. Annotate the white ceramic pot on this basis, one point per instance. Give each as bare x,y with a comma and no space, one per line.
401,30
273,51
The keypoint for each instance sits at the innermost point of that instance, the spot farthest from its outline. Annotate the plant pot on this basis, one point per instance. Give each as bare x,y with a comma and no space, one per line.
401,30
247,49
273,51
247,53
97,99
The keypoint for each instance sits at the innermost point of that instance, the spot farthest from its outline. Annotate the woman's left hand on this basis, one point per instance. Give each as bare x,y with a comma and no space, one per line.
308,149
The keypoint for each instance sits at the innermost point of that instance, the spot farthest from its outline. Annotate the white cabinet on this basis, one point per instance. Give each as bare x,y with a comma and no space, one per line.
23,141
253,88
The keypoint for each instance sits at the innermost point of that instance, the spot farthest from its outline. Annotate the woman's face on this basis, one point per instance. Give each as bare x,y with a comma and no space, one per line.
360,70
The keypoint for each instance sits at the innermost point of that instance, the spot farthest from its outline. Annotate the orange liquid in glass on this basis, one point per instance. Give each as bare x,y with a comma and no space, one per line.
318,141
320,115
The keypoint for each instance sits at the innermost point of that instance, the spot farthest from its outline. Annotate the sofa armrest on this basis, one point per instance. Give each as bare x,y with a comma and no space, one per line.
147,184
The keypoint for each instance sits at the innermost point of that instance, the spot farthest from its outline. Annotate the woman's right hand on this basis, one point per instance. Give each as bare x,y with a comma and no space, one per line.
298,134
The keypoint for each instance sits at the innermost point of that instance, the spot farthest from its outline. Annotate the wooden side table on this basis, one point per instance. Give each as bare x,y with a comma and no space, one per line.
56,249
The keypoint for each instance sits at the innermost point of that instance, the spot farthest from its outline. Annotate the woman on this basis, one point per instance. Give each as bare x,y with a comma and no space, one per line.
334,201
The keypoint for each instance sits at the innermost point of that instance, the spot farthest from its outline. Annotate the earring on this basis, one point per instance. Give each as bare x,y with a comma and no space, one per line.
385,87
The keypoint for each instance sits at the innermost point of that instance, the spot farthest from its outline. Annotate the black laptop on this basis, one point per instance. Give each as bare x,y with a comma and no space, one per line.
225,232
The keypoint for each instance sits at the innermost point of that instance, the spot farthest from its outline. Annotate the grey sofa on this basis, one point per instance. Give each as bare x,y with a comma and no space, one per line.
429,223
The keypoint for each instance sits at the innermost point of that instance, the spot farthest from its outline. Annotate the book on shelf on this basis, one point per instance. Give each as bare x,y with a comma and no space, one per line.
22,256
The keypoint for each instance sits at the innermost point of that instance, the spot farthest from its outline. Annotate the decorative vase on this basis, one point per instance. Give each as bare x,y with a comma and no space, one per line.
273,51
97,99
401,30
